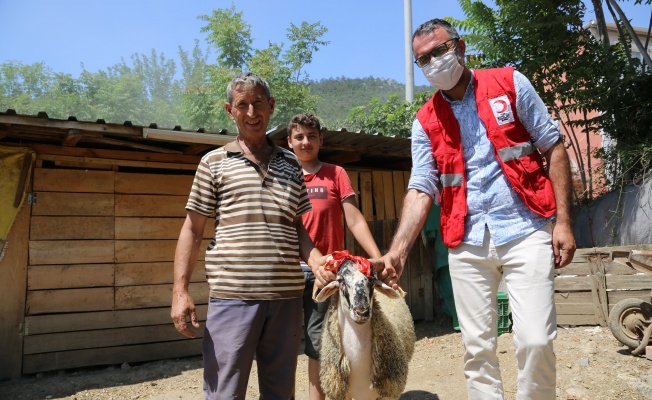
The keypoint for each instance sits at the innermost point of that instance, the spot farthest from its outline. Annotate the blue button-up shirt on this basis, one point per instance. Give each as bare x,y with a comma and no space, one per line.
492,203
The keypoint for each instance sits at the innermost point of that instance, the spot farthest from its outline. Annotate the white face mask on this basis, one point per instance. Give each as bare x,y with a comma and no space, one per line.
443,72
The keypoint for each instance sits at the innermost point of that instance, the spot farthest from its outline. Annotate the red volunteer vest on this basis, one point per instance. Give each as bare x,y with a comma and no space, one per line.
521,163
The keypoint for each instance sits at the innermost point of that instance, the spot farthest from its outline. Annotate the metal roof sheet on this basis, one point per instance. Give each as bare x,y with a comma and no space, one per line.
352,149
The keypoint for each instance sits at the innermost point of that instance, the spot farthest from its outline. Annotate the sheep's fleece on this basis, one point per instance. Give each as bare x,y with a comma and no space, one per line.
393,340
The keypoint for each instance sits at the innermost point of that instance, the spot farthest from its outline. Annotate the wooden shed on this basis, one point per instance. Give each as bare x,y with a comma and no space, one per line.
86,277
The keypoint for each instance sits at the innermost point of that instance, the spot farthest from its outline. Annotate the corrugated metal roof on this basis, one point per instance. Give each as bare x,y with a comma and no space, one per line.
340,147
359,149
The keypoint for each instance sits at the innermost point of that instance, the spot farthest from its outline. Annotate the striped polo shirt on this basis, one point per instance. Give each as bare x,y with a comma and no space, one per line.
254,254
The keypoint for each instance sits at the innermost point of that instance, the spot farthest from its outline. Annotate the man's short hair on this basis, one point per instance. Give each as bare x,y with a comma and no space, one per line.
430,26
305,119
247,79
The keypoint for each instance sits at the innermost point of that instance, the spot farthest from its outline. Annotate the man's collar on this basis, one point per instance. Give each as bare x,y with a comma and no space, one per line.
235,148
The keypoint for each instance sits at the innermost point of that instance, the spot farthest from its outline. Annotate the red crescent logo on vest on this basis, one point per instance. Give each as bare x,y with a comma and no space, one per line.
502,109
500,106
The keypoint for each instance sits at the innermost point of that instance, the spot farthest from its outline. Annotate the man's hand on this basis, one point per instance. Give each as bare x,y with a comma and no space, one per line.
563,244
182,306
389,269
323,277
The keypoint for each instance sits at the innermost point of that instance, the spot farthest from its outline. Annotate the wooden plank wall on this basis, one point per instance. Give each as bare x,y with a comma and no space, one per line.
100,260
13,274
597,279
380,197
99,273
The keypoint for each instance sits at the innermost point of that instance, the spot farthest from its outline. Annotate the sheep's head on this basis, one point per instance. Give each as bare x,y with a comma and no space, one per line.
356,291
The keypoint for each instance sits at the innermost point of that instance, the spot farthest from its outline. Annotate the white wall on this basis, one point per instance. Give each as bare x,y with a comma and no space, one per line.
618,218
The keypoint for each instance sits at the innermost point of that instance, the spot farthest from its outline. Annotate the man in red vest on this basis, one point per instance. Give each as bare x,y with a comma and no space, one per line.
477,148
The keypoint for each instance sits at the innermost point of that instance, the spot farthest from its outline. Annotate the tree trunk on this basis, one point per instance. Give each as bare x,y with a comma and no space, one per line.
621,34
589,167
646,57
649,30
603,34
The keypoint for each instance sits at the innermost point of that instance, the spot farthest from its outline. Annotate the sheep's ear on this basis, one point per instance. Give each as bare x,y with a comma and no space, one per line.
385,289
326,292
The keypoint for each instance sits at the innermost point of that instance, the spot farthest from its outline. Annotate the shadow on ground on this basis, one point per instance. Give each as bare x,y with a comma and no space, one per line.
439,327
66,383
418,395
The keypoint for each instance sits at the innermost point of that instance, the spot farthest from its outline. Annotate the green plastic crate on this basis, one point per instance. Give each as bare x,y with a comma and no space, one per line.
504,322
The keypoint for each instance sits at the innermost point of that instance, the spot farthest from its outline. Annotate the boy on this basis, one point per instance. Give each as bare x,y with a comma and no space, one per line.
331,194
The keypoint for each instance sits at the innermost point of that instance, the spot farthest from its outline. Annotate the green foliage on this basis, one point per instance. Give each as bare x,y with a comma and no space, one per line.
25,87
144,89
392,118
229,36
336,97
573,73
305,42
627,116
33,88
115,96
143,93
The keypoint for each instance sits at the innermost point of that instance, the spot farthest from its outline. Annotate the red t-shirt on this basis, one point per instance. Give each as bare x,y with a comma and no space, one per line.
326,190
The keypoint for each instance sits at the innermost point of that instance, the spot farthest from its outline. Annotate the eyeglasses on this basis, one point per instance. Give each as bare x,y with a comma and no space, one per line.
438,51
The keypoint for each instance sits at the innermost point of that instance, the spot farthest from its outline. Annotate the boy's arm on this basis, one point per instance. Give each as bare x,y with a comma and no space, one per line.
358,226
312,256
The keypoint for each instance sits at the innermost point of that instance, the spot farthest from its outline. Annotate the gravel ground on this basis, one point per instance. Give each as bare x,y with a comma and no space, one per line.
591,364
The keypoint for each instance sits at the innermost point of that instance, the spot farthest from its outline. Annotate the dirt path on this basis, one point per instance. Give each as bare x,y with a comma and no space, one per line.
591,364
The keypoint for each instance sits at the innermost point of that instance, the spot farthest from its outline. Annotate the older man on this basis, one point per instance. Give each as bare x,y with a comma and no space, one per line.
257,194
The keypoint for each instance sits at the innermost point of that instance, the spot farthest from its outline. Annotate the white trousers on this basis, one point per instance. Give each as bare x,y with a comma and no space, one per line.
527,265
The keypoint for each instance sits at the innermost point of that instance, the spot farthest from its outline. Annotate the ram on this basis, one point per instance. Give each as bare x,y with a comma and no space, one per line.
368,337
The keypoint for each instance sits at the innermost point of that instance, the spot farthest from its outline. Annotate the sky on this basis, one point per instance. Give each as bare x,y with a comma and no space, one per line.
366,36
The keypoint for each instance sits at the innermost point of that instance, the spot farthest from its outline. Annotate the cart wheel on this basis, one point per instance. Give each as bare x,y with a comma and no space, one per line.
627,320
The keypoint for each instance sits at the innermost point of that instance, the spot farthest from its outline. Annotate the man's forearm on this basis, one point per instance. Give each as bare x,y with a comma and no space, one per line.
184,264
187,251
559,172
307,250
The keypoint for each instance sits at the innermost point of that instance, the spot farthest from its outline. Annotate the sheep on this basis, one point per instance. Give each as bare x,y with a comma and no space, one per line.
367,338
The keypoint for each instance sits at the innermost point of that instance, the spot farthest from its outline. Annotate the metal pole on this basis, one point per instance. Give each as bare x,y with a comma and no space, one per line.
409,66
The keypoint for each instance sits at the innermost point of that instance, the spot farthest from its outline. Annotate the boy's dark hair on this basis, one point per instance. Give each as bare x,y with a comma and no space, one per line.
305,119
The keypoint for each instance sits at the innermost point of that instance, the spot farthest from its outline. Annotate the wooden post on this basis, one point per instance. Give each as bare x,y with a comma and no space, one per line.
366,196
399,191
13,286
388,192
379,194
426,283
599,289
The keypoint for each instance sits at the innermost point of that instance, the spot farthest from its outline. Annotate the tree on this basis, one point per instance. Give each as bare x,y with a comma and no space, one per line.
24,87
393,118
228,33
146,90
229,36
30,89
116,95
624,36
572,72
195,108
305,41
161,87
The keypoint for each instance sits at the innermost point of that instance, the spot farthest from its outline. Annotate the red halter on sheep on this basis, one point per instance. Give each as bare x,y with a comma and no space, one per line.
338,257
